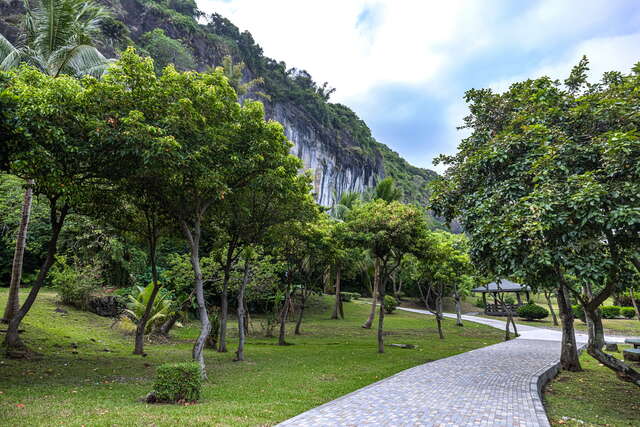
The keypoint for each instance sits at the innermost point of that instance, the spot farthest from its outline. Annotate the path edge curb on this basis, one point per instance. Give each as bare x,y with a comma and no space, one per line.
536,387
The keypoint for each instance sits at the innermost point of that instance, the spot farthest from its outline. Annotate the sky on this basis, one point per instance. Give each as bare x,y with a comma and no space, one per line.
404,65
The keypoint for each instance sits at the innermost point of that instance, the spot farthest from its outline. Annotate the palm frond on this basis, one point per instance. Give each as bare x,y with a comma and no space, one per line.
78,60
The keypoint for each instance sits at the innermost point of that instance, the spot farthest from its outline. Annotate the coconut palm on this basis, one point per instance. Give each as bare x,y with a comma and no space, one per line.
346,202
58,39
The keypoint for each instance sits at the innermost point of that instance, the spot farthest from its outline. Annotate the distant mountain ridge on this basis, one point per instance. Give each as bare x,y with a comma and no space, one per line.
330,138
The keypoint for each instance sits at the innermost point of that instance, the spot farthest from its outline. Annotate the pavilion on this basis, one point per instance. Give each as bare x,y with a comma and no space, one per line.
502,286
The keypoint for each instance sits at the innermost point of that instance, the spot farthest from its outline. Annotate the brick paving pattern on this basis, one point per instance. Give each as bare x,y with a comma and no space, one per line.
490,386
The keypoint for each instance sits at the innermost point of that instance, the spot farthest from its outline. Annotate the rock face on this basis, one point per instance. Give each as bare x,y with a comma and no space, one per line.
335,169
341,156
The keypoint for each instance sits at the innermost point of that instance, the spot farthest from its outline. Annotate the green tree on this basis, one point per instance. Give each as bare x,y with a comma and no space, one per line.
546,188
53,137
388,230
58,38
164,50
243,219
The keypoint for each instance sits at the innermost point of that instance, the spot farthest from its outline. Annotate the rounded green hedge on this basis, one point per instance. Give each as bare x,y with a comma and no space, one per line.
178,382
390,304
628,312
610,311
532,311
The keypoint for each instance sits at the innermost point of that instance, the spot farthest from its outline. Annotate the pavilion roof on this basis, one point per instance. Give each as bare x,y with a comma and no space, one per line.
505,286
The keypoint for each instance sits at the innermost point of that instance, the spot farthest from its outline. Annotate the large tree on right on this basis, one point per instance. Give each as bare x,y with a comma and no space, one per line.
547,186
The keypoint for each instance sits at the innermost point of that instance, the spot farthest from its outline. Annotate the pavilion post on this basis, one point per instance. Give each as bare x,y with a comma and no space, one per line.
518,298
484,302
527,295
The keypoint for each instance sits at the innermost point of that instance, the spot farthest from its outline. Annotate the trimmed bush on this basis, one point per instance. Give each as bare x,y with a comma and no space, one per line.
390,304
178,382
532,311
628,312
610,311
348,296
479,303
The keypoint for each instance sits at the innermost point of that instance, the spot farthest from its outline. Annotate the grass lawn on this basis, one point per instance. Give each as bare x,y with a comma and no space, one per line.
595,396
97,387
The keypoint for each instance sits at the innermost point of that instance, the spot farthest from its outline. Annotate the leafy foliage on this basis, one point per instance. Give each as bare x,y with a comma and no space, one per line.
178,382
610,311
390,304
75,283
164,50
628,312
160,309
532,311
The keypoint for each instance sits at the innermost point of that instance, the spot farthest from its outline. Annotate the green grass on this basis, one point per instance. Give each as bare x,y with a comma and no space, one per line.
595,396
97,388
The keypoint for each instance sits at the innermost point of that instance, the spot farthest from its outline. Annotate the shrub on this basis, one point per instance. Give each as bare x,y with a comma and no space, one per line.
610,311
531,311
509,300
75,283
348,296
178,382
479,303
628,312
390,304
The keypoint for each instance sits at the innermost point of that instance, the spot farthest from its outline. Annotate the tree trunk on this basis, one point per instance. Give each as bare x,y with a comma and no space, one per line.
12,339
595,328
247,318
241,313
547,295
13,299
376,285
142,323
205,329
569,360
224,301
337,309
456,296
510,320
439,315
283,316
635,304
168,324
381,317
625,371
303,300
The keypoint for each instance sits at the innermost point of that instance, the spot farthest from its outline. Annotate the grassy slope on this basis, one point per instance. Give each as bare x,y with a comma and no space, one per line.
95,387
594,396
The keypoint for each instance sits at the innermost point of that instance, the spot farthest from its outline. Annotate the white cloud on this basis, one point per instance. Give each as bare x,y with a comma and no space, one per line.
409,42
433,46
604,53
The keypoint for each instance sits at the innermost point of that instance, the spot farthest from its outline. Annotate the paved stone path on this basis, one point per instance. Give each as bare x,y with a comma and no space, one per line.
498,385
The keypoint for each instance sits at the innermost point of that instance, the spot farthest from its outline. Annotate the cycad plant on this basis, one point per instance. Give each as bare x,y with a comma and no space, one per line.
162,306
57,38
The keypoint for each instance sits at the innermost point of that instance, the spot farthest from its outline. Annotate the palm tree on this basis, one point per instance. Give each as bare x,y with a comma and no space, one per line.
57,39
385,190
